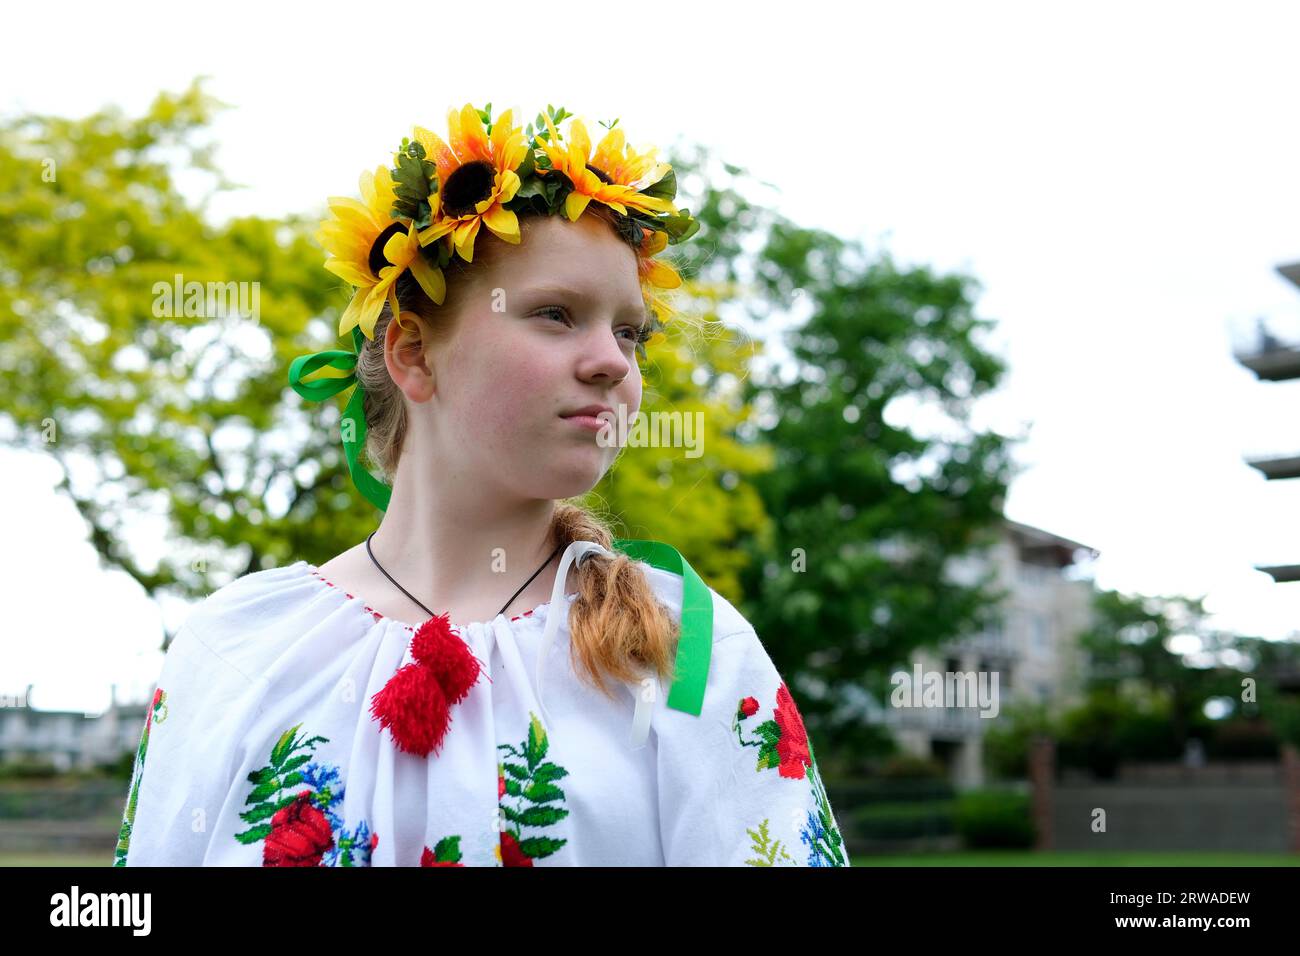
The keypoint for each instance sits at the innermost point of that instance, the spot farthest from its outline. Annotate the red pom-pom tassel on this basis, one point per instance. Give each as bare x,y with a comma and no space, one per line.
415,705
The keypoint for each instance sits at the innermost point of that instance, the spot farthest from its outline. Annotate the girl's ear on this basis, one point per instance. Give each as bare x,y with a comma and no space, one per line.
404,346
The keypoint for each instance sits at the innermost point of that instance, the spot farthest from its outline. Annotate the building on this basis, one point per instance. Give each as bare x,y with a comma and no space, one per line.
1274,360
1033,648
68,739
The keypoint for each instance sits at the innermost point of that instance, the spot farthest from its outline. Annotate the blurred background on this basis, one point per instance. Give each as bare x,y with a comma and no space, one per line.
998,354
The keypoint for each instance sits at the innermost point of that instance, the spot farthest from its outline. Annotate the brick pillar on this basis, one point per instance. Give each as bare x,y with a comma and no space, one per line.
1291,783
1042,773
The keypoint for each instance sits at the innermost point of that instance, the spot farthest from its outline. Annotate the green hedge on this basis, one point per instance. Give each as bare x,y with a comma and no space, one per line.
902,821
988,819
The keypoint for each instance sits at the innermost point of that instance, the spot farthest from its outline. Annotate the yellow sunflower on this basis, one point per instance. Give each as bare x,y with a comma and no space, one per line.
651,270
615,174
476,178
369,250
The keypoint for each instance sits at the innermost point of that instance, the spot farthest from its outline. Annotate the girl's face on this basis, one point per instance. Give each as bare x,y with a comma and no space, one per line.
548,328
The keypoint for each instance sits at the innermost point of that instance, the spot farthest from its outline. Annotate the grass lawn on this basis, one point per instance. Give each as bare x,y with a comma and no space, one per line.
57,859
1029,858
984,858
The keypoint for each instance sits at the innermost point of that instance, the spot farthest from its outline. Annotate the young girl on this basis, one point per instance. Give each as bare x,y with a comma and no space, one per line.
394,706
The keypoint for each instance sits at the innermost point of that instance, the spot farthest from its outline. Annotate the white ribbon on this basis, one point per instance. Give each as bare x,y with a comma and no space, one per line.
645,696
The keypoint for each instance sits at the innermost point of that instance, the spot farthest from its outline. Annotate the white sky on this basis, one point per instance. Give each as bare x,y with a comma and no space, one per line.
1120,178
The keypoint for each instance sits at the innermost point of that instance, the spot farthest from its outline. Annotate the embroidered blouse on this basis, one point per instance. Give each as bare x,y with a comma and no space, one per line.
260,748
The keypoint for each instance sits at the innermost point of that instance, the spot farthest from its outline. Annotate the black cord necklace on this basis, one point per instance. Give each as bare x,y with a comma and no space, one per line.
430,613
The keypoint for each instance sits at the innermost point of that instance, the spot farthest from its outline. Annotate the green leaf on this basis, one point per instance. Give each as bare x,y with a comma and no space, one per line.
549,772
255,835
283,746
264,811
415,179
680,227
261,776
666,188
295,762
292,780
526,167
542,792
538,847
263,791
447,850
532,186
542,816
535,748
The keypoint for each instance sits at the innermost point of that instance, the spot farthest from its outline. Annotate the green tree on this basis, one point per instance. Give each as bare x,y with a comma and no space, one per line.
148,410
867,512
1129,649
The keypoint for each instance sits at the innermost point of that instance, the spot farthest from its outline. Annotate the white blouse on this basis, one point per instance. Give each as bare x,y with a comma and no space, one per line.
260,748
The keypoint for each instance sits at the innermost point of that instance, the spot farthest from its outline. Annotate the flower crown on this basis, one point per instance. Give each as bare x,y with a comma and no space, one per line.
430,206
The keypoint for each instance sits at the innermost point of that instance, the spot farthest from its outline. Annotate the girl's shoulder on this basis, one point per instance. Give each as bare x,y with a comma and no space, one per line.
668,587
244,622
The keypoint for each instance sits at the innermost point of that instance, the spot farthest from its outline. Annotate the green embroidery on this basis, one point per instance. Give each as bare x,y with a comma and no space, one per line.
157,714
825,840
281,774
295,809
445,853
766,847
533,784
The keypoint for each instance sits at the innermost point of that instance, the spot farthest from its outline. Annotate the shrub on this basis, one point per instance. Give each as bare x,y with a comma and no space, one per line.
995,819
1240,738
902,821
912,767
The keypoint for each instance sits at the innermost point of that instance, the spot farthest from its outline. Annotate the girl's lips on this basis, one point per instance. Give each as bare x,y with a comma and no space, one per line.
587,421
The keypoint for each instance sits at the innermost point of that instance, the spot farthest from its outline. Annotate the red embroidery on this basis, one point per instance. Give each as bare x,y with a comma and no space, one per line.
792,747
300,835
511,854
446,853
782,742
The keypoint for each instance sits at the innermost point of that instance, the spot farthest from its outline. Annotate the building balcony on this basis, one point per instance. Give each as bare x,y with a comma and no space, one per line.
1268,347
1276,467
1281,573
1280,363
991,646
954,723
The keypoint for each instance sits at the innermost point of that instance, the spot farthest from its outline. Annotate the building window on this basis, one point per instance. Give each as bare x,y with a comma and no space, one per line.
1036,575
1041,637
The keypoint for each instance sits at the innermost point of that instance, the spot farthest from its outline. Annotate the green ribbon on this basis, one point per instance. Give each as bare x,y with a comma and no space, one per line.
353,422
695,644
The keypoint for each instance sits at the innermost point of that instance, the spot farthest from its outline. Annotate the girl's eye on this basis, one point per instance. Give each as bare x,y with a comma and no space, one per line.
637,334
554,310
